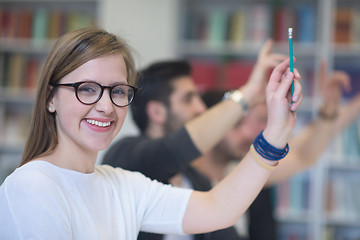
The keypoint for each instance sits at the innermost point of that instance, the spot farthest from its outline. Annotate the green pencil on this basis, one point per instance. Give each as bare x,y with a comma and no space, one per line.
291,59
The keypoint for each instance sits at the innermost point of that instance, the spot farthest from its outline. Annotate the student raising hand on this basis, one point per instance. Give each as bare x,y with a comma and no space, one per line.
227,201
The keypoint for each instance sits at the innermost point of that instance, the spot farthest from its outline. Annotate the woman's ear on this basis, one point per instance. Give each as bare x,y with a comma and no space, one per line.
156,112
50,105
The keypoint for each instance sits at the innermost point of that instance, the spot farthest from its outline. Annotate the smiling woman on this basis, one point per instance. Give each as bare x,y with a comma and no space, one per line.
69,53
81,104
77,103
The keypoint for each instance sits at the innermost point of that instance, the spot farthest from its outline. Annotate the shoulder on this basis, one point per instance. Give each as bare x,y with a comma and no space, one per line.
32,173
29,179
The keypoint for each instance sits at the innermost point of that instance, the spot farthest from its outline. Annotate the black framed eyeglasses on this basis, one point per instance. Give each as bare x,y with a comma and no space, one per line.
89,92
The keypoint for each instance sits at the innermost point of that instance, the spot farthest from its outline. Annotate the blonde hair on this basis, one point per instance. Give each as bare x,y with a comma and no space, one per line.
69,52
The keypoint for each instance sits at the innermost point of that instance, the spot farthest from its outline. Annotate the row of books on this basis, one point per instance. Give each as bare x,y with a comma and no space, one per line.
251,24
346,147
19,71
332,233
210,74
343,197
292,196
40,23
293,232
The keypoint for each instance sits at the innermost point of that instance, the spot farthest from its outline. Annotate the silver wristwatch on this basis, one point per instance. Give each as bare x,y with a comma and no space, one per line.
238,97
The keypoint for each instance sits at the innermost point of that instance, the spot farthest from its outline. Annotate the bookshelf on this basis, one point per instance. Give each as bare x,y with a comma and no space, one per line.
28,29
221,39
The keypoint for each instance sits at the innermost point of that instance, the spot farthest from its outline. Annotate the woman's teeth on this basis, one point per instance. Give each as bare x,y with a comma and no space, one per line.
97,123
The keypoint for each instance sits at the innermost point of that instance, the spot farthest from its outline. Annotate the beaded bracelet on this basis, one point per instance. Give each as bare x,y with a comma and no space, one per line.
267,151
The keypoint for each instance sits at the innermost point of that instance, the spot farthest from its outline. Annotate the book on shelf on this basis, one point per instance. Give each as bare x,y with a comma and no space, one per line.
16,72
2,56
292,196
40,26
355,26
283,19
4,27
14,22
257,24
305,24
26,19
5,72
235,74
204,74
293,232
345,148
197,27
237,26
56,25
217,28
32,73
343,197
1,21
343,21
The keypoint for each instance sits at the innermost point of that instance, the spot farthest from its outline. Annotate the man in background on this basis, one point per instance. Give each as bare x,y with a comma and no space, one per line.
172,119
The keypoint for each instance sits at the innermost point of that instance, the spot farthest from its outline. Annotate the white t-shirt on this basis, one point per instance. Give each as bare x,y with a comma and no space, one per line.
42,201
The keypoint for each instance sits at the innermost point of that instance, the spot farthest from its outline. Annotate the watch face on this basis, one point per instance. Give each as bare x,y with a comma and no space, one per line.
238,97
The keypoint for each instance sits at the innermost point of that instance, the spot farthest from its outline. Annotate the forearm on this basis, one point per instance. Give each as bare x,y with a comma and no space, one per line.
227,201
209,128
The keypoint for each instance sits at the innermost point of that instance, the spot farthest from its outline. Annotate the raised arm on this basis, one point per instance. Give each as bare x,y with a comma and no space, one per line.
310,143
225,114
226,202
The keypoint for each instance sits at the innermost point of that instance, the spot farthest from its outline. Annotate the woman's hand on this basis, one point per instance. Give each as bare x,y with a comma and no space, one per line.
281,108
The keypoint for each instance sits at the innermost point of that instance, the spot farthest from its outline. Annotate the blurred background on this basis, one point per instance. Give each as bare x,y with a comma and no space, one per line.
221,39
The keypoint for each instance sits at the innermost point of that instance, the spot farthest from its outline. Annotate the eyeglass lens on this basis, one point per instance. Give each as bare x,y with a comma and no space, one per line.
89,93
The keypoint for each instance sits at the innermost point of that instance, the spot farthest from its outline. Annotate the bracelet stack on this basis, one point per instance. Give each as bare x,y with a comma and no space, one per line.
267,151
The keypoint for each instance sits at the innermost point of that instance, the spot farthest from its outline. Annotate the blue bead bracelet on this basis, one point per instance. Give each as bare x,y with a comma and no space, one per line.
267,151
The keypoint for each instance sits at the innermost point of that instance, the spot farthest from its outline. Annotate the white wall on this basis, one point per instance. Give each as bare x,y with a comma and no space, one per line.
149,26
